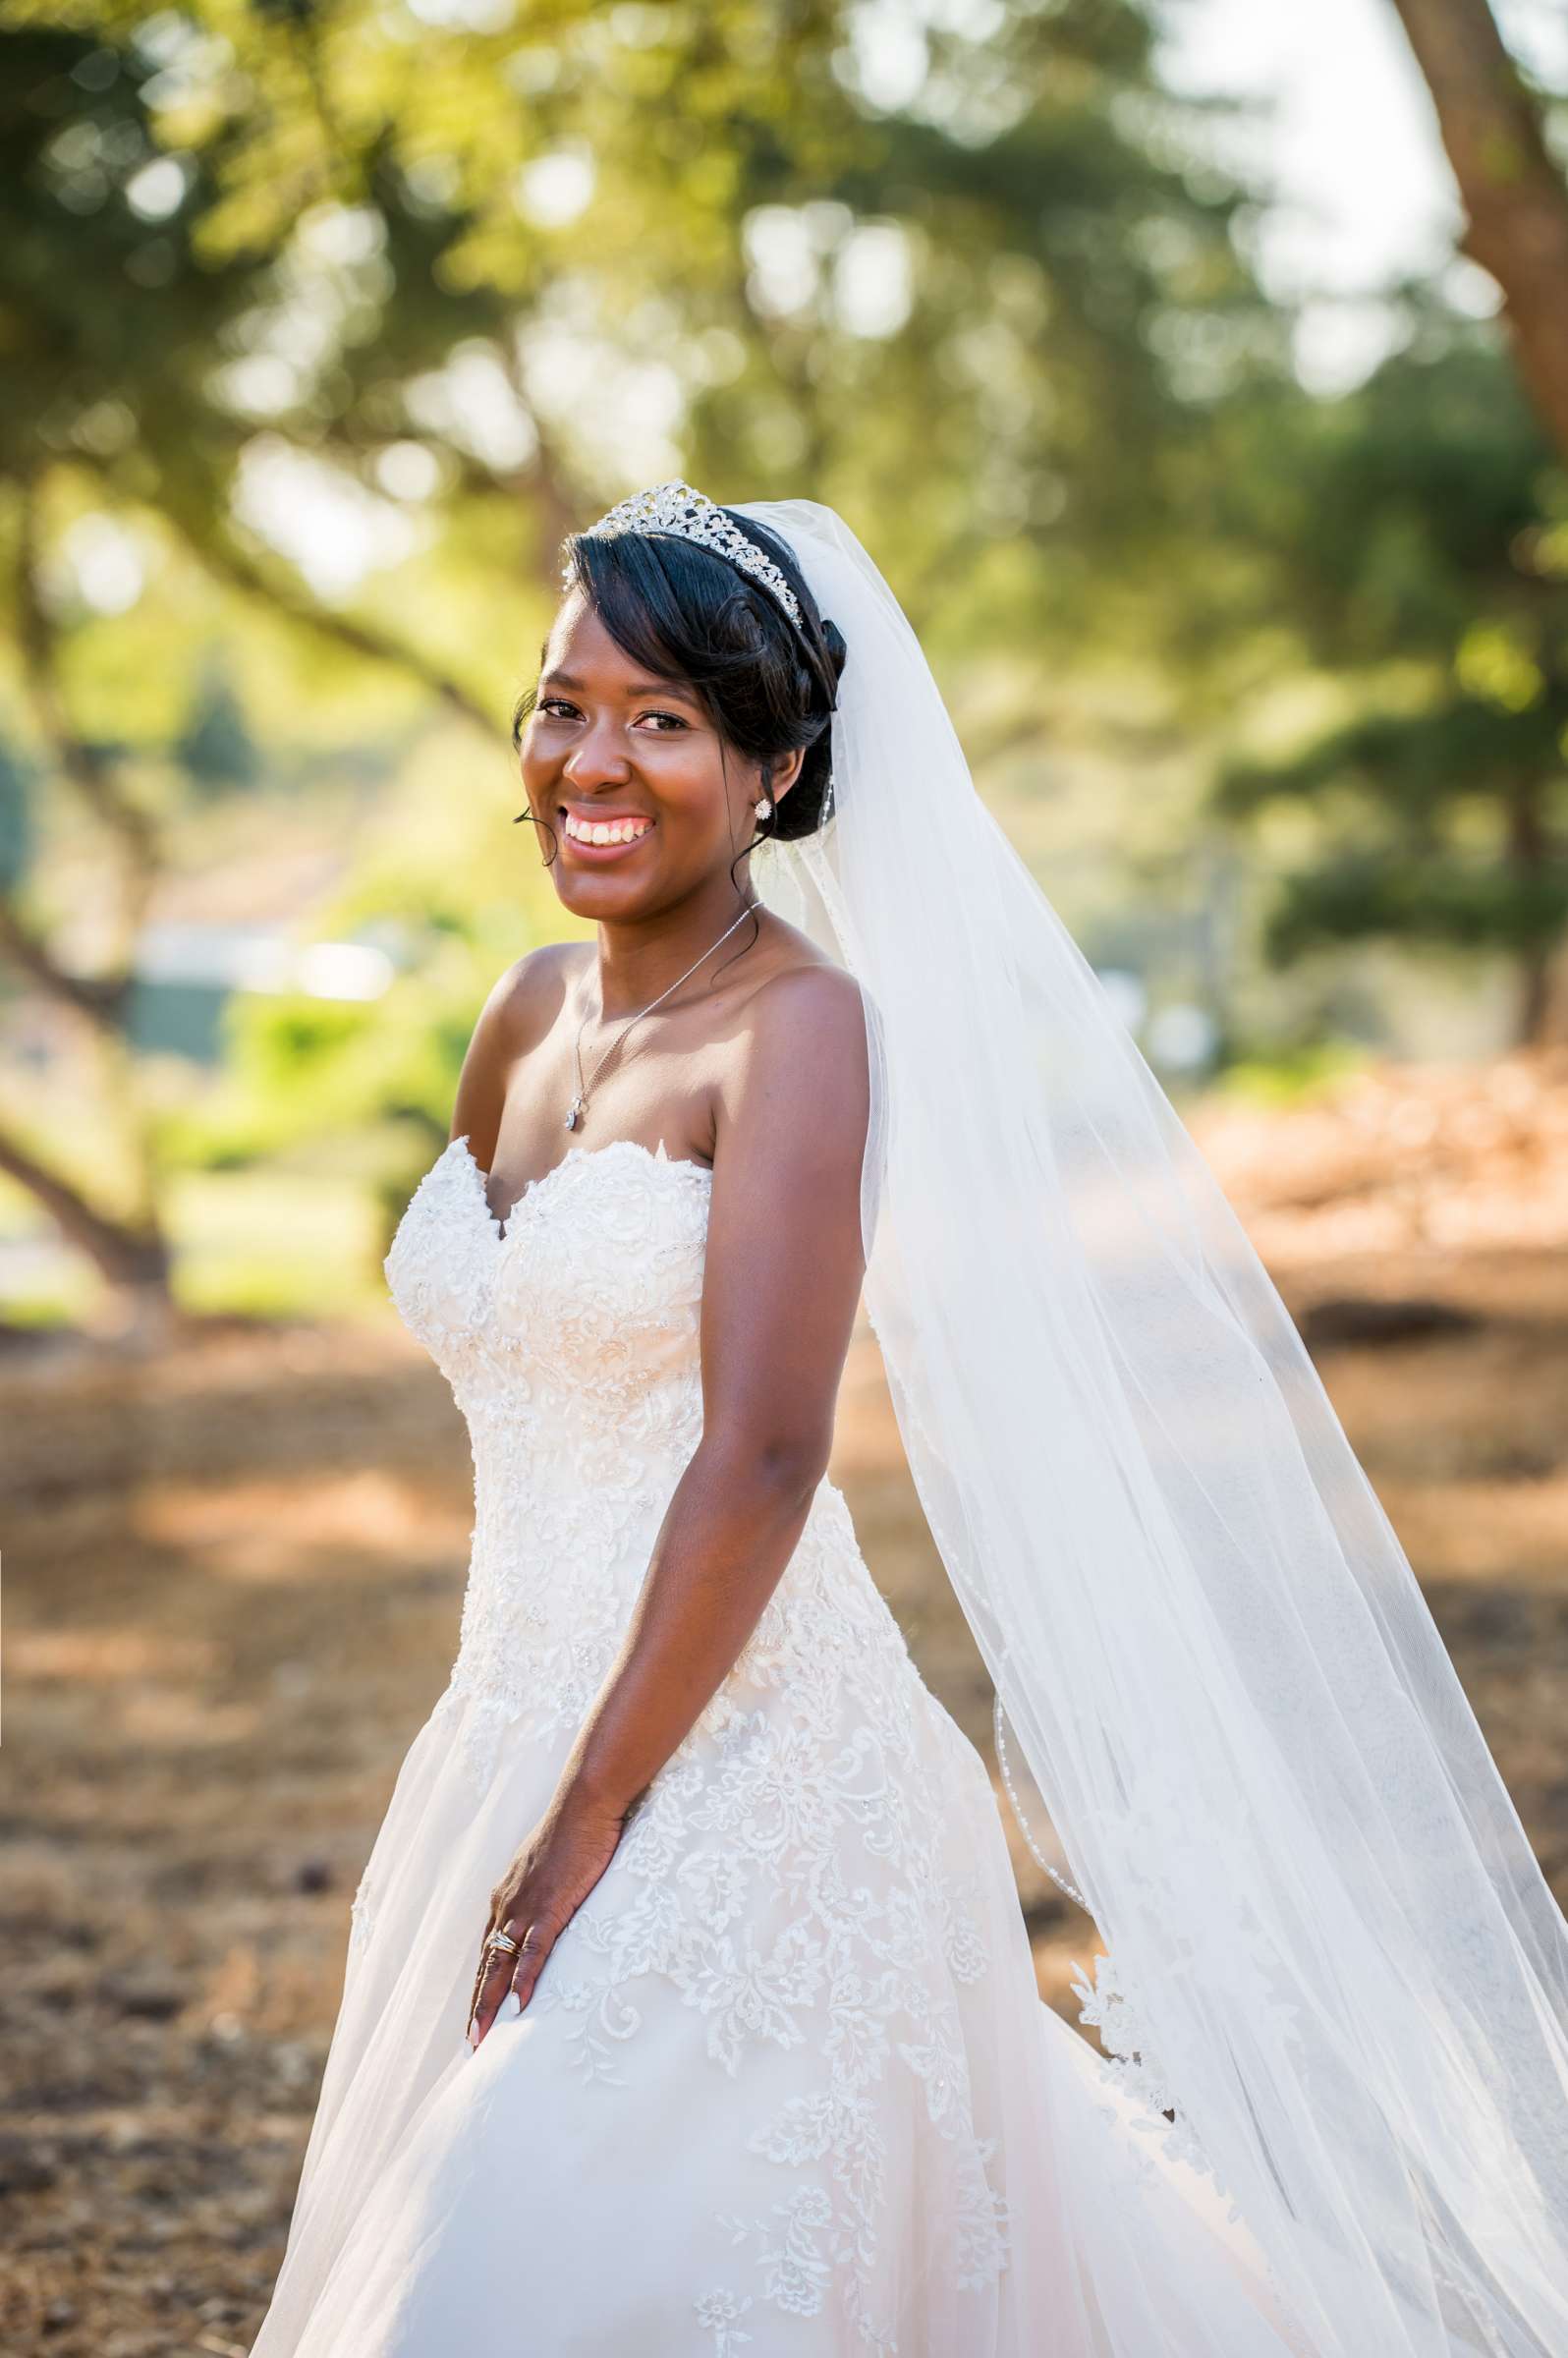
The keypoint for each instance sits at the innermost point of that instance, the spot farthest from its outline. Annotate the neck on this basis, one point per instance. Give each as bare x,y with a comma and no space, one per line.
637,962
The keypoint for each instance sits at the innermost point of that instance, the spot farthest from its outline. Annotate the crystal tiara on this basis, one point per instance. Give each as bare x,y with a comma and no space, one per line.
686,515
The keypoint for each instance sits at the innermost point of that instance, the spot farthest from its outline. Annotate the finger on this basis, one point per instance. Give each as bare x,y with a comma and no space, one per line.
529,1963
495,1970
487,1998
497,1928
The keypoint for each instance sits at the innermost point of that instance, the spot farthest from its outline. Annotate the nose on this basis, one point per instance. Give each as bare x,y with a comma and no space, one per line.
598,758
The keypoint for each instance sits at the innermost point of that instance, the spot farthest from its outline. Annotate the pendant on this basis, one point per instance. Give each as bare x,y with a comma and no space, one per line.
575,1115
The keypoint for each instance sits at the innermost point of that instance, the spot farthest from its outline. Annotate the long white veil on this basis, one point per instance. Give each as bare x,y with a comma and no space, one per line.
1332,1953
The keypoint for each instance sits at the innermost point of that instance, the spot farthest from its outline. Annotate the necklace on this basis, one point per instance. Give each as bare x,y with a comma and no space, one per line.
578,1102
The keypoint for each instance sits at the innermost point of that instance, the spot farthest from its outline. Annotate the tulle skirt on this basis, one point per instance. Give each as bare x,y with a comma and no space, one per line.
745,2162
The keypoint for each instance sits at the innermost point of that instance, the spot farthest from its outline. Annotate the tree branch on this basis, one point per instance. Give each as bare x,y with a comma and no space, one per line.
89,769
103,1000
223,556
1513,193
127,1254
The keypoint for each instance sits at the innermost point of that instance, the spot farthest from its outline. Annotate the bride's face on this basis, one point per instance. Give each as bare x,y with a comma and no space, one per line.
608,746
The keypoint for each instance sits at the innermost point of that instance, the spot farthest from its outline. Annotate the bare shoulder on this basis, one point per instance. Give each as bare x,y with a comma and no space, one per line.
803,1064
812,1001
527,997
522,1005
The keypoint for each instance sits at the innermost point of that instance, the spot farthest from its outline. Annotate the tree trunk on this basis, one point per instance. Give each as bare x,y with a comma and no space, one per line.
129,1252
1513,193
1529,851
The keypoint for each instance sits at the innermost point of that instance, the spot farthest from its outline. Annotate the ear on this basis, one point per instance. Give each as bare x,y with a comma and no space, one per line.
785,772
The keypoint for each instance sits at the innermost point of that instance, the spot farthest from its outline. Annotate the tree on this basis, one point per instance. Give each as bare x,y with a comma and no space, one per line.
1421,532
1494,126
409,262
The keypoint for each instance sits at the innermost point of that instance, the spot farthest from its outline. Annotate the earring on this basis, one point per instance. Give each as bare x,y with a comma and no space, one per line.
762,807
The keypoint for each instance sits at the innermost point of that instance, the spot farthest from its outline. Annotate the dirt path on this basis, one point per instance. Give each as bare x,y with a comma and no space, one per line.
233,1598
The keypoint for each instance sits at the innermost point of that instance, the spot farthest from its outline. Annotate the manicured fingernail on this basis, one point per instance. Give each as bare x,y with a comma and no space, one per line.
511,2004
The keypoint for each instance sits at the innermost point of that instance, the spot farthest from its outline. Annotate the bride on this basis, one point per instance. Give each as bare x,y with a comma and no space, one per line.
688,2006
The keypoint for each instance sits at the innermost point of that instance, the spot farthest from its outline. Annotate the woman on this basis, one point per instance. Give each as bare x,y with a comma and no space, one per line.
753,2062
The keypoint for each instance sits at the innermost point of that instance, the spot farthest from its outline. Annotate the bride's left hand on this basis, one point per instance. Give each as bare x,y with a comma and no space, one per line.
549,1877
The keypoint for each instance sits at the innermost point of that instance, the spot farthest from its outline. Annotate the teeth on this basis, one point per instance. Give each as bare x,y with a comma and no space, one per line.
619,830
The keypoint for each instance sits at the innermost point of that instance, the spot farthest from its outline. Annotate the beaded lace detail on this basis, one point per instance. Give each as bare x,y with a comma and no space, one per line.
789,1875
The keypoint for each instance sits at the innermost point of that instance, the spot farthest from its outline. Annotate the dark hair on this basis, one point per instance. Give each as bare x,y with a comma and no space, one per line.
687,613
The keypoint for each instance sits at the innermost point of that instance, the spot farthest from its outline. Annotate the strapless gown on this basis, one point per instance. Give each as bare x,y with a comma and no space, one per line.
786,2087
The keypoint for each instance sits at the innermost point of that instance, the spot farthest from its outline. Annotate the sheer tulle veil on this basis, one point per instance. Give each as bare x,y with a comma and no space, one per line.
1335,1971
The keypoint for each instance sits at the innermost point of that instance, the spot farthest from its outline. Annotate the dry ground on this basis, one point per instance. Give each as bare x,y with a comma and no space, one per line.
234,1594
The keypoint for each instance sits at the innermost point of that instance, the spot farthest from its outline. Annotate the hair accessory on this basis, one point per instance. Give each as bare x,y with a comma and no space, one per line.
682,514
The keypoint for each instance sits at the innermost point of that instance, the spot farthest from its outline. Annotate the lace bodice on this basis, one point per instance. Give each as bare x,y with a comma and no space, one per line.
570,1338
582,1309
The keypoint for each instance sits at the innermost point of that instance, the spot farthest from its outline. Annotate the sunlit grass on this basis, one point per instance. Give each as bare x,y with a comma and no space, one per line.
64,1293
1290,1075
257,1243
274,1245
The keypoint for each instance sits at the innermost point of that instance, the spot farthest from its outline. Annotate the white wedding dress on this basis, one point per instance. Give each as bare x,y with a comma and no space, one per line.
786,2087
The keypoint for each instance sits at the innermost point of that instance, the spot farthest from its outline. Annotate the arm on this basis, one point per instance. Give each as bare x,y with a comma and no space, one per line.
781,1284
780,1289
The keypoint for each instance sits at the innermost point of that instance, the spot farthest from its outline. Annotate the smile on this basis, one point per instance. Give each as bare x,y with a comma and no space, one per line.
606,833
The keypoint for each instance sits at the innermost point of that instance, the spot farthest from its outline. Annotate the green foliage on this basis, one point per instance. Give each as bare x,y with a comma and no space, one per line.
1475,907
308,1070
415,257
280,282
452,893
1411,766
1417,530
111,318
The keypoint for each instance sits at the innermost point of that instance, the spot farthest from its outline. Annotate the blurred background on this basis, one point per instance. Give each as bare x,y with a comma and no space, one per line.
1197,371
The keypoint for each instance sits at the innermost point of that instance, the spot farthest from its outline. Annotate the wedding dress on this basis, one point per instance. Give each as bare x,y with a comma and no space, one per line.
786,2087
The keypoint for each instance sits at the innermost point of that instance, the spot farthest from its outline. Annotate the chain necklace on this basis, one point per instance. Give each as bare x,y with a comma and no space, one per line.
579,1100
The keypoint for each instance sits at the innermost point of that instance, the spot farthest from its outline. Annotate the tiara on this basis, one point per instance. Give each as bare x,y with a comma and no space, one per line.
686,515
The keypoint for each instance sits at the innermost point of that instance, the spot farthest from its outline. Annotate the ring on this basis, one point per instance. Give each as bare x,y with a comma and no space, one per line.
503,1940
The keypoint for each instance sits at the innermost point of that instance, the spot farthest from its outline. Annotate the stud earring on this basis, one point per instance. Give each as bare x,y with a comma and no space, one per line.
762,807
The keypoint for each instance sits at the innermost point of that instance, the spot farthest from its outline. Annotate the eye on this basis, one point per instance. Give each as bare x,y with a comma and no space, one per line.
558,705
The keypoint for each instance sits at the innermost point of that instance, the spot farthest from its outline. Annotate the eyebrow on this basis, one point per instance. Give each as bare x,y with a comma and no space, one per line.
568,679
